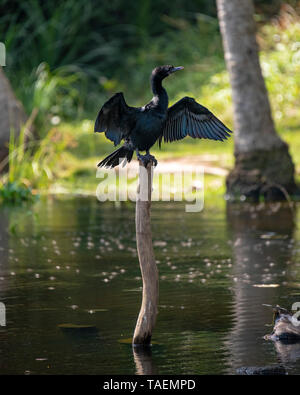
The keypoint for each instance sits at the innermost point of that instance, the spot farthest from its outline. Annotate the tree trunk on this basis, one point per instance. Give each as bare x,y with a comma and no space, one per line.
147,316
263,165
12,115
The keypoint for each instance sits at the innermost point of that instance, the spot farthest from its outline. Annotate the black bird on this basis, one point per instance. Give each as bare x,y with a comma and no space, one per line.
141,127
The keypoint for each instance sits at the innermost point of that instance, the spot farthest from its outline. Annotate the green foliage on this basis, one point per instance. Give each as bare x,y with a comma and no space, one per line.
16,193
33,165
281,68
194,44
207,80
65,59
280,61
53,47
54,93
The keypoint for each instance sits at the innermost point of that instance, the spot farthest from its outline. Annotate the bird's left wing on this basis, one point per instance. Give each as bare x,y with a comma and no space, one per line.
113,118
189,118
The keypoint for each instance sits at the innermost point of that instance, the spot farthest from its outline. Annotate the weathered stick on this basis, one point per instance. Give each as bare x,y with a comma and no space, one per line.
147,316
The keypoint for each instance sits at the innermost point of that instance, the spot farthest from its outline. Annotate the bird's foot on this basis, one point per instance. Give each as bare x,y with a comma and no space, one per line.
145,159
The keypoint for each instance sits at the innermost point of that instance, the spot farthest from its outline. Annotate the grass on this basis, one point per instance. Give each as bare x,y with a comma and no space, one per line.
280,59
33,165
66,156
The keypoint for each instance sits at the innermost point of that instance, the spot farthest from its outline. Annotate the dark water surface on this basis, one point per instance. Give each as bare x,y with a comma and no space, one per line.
74,261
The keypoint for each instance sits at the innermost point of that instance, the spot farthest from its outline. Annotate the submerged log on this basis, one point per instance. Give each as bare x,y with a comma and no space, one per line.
147,316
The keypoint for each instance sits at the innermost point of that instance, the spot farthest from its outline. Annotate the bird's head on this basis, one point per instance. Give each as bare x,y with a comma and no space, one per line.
162,72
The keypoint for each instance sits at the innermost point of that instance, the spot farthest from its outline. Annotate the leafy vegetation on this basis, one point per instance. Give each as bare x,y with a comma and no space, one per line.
69,66
281,69
33,165
13,192
70,55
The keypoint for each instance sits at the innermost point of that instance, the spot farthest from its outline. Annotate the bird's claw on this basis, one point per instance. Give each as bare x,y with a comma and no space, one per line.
145,159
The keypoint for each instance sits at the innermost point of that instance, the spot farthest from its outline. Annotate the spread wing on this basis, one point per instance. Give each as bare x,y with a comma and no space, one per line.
189,118
113,118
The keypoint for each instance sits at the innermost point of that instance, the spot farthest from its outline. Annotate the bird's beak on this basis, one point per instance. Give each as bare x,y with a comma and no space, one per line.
177,69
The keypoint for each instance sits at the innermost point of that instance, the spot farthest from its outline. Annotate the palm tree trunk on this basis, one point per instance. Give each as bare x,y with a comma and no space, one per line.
12,115
263,165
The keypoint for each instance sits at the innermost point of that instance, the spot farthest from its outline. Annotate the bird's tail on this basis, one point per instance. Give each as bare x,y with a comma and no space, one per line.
116,157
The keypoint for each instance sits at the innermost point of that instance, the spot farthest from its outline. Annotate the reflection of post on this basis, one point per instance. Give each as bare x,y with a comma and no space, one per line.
143,361
257,261
148,312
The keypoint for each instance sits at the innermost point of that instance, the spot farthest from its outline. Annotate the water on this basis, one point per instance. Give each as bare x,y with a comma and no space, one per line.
74,261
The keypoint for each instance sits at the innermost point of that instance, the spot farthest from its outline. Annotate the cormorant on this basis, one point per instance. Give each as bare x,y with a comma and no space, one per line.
141,127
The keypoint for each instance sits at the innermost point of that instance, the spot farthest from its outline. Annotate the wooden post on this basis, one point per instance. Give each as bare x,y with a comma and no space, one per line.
147,316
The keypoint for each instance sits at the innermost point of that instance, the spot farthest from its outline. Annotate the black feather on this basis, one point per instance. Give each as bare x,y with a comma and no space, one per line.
197,122
141,127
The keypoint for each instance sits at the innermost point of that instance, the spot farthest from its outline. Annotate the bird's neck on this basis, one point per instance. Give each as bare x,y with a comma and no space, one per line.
159,92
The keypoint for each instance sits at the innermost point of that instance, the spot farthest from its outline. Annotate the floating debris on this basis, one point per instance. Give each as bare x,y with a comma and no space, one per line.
159,243
266,285
93,311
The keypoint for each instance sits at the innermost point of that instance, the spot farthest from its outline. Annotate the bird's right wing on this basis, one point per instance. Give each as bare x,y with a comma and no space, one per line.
113,118
189,118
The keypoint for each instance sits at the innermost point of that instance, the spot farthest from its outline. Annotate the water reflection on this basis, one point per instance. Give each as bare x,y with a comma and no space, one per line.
74,261
287,353
143,361
261,240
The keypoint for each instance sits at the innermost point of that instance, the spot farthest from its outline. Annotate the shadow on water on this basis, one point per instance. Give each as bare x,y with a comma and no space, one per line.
263,260
74,261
